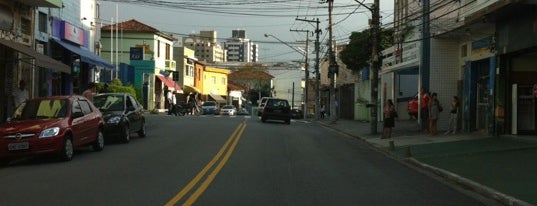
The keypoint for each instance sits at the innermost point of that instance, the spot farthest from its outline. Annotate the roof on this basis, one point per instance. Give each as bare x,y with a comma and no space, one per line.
134,26
250,74
235,87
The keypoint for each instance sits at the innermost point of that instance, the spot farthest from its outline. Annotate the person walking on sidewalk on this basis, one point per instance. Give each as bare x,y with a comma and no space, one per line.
434,112
389,119
453,115
424,109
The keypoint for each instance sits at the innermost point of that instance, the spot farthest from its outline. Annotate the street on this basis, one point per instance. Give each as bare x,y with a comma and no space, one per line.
222,160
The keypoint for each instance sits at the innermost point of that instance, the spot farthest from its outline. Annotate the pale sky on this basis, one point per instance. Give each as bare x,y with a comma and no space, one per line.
256,17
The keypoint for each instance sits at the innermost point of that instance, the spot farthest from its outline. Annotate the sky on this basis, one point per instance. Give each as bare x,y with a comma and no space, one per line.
256,17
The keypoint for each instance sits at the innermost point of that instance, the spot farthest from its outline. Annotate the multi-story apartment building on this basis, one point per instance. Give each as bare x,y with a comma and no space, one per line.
205,46
149,54
185,68
480,51
20,59
240,48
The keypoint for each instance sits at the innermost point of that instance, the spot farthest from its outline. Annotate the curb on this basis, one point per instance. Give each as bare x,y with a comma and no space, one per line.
469,184
446,175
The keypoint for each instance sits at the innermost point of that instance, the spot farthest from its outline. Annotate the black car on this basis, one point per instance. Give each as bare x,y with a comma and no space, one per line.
276,109
122,115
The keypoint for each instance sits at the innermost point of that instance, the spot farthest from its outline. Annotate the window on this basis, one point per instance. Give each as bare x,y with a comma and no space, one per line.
158,48
167,51
84,105
213,79
42,22
223,81
76,107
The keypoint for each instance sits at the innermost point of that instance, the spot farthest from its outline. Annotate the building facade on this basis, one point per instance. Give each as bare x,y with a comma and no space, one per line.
205,46
149,53
240,48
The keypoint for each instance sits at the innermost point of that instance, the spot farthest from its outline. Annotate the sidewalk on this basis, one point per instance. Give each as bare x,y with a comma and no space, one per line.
501,168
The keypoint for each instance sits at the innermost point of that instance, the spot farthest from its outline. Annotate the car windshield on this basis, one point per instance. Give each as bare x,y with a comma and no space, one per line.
41,109
227,107
109,102
209,104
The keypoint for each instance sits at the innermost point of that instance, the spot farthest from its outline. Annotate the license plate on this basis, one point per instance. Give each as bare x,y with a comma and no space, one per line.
18,146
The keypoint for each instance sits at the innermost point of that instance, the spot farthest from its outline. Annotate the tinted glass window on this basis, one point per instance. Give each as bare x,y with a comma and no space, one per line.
209,104
47,108
85,106
109,102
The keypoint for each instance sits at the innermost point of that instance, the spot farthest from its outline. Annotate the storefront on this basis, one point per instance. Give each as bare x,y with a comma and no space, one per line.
70,44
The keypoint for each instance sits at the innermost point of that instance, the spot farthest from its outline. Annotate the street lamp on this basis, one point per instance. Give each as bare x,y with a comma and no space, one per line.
306,77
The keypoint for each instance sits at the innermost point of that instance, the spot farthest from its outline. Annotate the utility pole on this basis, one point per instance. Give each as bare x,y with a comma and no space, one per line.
333,67
424,72
307,75
375,64
317,74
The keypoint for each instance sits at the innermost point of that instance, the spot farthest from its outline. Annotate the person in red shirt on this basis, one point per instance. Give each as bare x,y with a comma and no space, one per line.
424,98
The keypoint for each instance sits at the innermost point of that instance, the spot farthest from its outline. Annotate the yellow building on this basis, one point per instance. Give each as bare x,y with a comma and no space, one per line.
215,84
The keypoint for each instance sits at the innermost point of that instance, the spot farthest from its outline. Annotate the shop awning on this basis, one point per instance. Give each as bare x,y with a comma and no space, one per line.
169,83
40,59
85,55
218,98
187,89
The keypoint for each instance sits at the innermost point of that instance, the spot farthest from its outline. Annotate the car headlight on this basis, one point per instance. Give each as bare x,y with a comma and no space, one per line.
114,120
50,132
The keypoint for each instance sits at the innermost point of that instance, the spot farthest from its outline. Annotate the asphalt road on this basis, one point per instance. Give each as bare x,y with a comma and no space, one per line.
214,160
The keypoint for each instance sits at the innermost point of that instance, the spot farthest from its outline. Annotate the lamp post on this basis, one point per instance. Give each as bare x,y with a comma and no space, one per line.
306,69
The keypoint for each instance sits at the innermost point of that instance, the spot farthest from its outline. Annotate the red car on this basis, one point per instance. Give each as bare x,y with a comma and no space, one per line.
51,125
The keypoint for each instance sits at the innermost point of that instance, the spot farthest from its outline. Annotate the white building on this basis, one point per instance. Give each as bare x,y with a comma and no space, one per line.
240,48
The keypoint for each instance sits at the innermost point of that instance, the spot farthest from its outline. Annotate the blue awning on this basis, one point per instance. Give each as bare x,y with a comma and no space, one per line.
85,55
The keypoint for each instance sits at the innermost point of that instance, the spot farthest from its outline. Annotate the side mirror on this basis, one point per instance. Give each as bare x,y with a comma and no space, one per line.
77,115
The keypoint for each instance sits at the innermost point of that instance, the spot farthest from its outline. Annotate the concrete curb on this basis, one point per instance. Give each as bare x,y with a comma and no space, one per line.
469,184
446,175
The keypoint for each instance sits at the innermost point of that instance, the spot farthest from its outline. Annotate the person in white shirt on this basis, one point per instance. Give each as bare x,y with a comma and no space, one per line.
20,94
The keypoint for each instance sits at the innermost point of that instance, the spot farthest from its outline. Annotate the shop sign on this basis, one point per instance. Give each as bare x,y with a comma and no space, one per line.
73,34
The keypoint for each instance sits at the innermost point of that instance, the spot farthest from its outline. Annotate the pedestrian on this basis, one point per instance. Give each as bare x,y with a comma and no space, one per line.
453,115
169,101
323,111
389,119
20,94
88,93
105,88
424,109
434,113
173,103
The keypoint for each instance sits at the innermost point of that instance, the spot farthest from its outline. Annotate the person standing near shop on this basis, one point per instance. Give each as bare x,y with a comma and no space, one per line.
434,113
88,93
389,119
453,115
20,94
424,101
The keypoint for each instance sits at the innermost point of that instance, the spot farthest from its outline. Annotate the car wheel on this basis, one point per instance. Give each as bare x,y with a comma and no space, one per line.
125,134
98,145
68,149
288,121
263,119
141,132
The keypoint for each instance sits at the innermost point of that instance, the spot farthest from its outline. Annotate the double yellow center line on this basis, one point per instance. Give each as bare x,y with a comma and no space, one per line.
228,149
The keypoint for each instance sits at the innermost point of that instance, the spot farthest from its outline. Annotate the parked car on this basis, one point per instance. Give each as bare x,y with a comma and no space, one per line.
228,110
51,125
276,109
262,102
209,107
122,115
297,114
243,111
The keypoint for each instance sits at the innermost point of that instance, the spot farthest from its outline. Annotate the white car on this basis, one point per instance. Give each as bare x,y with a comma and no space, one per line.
228,110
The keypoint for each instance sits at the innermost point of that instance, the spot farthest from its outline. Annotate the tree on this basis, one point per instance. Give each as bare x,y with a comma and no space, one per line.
253,77
357,54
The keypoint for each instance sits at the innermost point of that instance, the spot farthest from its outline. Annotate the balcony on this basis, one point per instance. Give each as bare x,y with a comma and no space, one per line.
170,65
